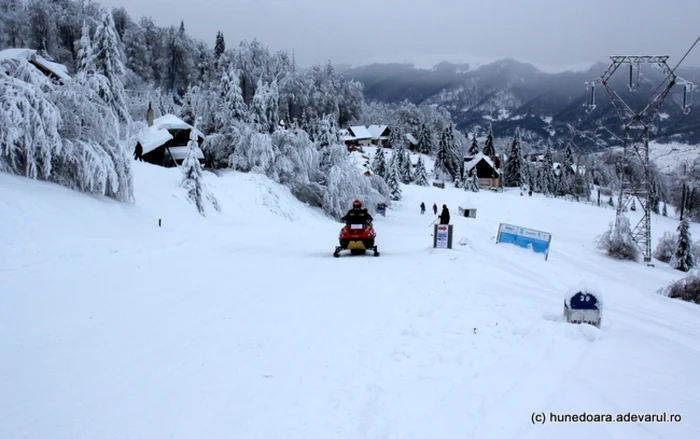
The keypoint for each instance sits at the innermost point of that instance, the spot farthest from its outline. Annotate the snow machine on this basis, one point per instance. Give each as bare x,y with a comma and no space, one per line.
358,238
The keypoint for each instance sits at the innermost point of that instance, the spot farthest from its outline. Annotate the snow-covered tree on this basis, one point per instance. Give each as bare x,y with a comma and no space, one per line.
295,158
93,150
471,182
379,166
138,57
447,162
254,151
683,259
617,242
65,135
345,183
85,57
666,247
546,182
29,122
459,183
425,140
421,176
393,179
405,167
108,63
192,177
514,177
489,149
474,148
219,45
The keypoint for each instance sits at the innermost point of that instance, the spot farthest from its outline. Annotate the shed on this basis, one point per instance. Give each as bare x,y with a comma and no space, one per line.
165,141
467,208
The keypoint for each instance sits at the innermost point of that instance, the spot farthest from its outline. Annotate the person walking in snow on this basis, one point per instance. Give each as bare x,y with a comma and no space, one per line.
444,215
434,208
422,208
138,151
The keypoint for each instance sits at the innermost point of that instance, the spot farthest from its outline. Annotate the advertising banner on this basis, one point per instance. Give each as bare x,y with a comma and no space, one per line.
523,237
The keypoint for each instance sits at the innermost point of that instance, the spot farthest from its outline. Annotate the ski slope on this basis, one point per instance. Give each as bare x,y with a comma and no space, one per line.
242,324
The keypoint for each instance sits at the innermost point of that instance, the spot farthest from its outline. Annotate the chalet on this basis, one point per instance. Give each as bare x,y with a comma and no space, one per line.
165,140
380,134
487,170
361,137
57,72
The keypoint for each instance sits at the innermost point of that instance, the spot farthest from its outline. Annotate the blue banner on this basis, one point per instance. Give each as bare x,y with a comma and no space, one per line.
527,238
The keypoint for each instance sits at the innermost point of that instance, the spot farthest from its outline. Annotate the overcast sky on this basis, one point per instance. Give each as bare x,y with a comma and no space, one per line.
552,34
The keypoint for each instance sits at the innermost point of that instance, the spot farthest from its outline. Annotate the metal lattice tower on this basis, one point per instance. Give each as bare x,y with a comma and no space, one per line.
637,147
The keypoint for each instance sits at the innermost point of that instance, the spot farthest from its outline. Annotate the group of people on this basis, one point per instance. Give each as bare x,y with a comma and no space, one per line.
444,214
359,214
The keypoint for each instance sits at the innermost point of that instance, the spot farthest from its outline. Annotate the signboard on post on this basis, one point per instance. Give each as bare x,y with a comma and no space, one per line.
537,240
442,236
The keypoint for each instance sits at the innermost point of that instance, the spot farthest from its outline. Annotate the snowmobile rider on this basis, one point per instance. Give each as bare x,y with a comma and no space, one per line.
357,215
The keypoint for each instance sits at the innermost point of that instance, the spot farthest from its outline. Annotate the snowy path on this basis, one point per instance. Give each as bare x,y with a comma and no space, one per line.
247,333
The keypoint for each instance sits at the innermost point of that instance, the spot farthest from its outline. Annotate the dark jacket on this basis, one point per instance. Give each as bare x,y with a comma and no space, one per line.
357,216
444,216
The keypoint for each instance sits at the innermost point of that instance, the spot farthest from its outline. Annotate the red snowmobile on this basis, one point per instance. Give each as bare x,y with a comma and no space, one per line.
358,238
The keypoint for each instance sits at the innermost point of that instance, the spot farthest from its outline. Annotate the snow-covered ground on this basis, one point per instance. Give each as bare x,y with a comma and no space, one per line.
243,325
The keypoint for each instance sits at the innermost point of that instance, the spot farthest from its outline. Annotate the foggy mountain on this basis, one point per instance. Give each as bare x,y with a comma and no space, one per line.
511,94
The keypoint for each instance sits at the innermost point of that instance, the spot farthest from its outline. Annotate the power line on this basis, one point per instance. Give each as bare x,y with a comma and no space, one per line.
673,71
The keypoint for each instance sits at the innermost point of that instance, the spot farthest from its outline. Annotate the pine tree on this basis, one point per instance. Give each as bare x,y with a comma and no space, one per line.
192,174
458,182
473,181
489,149
514,177
85,61
406,168
547,176
219,45
443,160
566,173
425,140
107,62
393,178
379,166
474,148
421,177
683,259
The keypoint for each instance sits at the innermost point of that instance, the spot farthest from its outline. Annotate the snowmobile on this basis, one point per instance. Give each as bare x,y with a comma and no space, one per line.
358,238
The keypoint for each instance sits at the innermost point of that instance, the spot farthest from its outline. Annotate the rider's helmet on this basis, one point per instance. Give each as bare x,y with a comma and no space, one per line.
357,204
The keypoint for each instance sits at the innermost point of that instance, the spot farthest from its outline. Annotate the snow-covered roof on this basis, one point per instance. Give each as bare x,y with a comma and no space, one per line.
467,203
345,135
411,139
158,134
180,152
59,70
476,159
360,132
376,131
